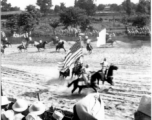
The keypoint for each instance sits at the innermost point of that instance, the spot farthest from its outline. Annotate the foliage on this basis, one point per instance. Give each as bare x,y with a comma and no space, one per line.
100,7
115,7
57,9
127,6
44,5
72,16
87,5
7,6
54,24
141,21
62,6
144,7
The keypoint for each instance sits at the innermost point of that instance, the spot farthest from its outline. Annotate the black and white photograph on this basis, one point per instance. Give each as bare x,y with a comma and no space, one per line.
75,59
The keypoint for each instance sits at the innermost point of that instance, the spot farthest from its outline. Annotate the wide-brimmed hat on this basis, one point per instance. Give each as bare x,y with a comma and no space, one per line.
145,105
18,116
8,115
5,100
37,108
20,105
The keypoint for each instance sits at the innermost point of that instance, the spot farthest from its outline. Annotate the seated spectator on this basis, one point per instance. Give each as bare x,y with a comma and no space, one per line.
32,116
144,109
5,103
7,115
20,107
90,107
37,108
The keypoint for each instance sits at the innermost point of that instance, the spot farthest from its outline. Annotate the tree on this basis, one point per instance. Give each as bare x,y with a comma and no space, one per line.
127,6
143,7
114,7
7,6
87,5
100,7
54,24
62,6
57,9
44,5
73,16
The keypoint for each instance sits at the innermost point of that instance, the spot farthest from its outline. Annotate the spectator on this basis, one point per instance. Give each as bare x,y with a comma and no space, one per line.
144,109
7,115
37,108
90,107
20,108
5,103
32,116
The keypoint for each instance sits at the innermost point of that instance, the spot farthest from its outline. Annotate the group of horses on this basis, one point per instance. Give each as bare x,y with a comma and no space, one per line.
96,76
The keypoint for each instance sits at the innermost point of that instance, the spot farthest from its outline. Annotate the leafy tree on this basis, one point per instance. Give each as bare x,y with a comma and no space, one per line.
114,7
57,9
127,6
73,16
100,7
44,5
54,24
7,6
141,21
62,6
144,7
87,5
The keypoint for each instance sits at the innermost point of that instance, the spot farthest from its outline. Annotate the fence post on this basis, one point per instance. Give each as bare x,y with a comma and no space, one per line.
38,96
1,91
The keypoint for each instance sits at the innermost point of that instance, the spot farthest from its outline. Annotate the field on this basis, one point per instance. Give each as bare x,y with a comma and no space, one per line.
27,73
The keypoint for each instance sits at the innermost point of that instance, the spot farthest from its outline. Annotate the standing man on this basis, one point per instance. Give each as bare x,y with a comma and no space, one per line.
105,67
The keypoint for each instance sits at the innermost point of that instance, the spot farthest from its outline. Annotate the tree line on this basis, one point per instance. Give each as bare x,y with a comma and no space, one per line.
78,15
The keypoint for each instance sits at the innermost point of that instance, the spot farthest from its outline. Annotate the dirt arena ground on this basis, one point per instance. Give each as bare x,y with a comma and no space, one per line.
24,74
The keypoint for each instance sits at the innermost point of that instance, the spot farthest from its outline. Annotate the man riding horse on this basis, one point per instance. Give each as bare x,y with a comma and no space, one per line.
104,69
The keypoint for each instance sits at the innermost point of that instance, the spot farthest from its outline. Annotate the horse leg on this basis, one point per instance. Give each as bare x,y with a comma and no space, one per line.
94,88
74,88
64,49
80,89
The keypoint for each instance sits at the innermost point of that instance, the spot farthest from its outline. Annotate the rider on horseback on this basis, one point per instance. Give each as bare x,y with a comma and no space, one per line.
105,67
86,74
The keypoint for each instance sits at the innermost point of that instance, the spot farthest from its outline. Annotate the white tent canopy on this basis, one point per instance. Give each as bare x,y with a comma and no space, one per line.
101,40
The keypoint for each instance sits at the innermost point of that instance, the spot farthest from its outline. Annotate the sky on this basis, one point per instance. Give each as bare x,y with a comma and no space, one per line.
23,3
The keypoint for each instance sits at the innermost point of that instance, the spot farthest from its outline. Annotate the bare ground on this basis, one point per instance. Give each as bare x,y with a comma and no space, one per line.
24,74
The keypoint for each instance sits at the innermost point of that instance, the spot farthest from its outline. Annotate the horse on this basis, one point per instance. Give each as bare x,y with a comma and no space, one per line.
41,45
6,42
3,49
64,74
89,48
94,80
21,47
77,70
60,45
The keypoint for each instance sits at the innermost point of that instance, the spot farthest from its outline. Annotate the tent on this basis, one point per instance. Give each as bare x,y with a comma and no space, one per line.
101,40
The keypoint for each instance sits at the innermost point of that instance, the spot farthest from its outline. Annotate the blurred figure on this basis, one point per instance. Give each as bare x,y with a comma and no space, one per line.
105,67
144,109
90,107
86,73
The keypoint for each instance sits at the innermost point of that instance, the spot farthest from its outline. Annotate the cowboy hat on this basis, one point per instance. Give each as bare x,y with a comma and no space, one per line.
86,37
37,108
32,116
8,115
145,105
5,100
20,105
18,116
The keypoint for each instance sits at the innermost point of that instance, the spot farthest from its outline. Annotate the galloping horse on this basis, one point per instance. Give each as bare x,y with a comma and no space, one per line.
60,45
41,45
94,81
77,70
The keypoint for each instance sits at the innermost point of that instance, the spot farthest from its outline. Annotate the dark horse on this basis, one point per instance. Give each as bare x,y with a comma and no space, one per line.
94,81
4,42
65,74
77,70
41,45
60,45
89,48
3,48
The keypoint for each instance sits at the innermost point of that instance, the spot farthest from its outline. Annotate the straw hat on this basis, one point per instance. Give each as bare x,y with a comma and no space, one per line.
33,117
37,108
20,105
8,115
18,116
145,105
5,100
